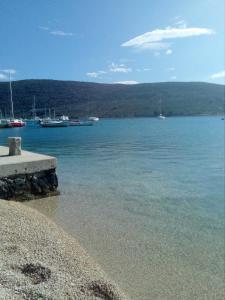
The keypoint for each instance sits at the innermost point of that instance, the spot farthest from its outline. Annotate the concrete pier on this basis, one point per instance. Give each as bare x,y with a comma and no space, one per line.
27,176
26,163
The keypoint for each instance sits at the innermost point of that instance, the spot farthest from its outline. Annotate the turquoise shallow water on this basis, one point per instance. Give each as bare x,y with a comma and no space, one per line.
145,197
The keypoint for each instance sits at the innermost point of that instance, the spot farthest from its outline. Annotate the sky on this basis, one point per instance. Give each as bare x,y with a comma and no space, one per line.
113,41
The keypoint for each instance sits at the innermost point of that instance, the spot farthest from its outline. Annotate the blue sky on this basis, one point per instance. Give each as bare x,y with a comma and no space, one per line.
127,41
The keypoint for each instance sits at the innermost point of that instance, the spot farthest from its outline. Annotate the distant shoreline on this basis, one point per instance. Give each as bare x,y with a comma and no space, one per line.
75,98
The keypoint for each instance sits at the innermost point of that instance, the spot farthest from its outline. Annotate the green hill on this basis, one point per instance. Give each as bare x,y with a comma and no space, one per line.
114,100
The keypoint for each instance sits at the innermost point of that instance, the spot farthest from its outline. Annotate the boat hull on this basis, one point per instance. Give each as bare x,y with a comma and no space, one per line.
7,125
4,123
81,123
14,124
51,124
17,123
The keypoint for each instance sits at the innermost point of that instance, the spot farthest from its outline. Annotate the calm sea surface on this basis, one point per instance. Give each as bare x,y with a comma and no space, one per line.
145,197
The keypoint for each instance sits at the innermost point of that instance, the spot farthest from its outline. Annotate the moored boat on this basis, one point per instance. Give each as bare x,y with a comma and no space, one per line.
54,123
81,123
95,119
161,117
4,123
17,123
13,121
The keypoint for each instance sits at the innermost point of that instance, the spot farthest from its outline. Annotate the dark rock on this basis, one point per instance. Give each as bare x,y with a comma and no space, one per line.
36,272
35,188
52,179
4,190
102,291
22,187
43,185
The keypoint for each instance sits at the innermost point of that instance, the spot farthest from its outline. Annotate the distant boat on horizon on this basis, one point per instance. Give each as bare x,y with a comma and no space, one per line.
62,121
95,119
81,122
54,123
161,116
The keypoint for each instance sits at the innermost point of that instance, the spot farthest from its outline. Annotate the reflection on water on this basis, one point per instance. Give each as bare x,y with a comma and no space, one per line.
145,198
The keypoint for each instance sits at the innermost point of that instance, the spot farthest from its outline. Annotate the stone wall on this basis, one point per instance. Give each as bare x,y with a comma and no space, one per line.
29,186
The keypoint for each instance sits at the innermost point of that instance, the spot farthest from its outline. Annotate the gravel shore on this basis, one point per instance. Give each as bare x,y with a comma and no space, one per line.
38,260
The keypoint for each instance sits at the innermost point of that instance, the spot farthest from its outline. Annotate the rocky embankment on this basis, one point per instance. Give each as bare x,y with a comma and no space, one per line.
29,186
38,260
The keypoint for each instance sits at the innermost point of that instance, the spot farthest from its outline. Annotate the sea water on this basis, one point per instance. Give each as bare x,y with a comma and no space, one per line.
144,197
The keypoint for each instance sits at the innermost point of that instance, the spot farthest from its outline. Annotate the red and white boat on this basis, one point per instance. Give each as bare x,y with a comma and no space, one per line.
13,121
17,123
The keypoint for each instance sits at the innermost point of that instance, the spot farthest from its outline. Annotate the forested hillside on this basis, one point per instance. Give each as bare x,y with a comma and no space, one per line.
113,100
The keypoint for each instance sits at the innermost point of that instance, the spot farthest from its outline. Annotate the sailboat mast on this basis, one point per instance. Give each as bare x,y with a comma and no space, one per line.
160,106
11,96
34,109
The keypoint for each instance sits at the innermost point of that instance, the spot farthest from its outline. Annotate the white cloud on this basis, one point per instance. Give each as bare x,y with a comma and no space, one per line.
56,32
119,68
127,82
171,69
92,74
180,22
3,77
143,70
218,75
11,71
96,74
169,52
102,72
173,77
61,33
155,40
113,68
153,46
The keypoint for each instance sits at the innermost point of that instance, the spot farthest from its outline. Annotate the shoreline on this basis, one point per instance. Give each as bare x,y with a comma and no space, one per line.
39,260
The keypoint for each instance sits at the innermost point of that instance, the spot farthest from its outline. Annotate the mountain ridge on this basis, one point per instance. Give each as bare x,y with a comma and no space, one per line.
79,98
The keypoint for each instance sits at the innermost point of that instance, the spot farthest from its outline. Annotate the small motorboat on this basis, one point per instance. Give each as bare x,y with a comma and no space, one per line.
4,123
17,123
95,119
81,123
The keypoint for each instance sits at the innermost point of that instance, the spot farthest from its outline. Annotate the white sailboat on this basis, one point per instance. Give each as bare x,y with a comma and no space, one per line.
14,122
4,123
62,121
95,119
35,117
161,116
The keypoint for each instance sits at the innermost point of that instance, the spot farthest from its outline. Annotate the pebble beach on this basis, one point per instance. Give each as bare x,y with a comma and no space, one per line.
38,260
